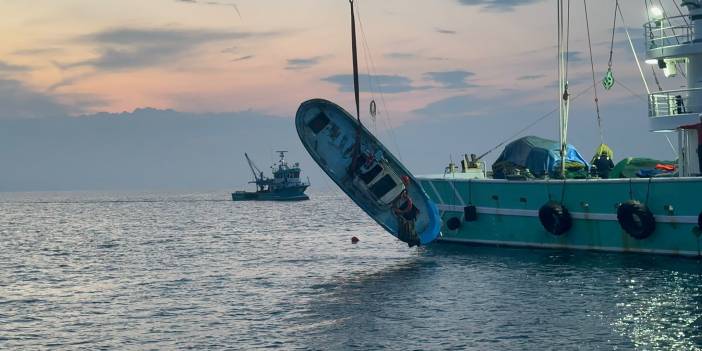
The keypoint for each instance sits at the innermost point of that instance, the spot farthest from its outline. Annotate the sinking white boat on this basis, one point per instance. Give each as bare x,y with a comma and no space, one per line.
367,172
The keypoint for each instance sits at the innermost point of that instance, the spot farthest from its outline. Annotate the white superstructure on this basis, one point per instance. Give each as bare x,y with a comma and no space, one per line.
674,44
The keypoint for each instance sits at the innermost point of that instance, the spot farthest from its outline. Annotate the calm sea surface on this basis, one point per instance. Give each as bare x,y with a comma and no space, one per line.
85,270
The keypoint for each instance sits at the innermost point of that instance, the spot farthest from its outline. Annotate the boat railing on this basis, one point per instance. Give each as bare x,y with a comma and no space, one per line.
668,31
673,102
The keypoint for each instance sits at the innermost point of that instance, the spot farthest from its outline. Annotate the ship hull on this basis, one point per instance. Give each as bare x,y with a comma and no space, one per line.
508,213
288,194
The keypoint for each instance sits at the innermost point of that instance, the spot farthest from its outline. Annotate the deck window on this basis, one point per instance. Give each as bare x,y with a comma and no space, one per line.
371,174
383,186
318,122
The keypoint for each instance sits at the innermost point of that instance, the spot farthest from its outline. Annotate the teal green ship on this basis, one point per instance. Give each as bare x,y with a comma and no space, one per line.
532,199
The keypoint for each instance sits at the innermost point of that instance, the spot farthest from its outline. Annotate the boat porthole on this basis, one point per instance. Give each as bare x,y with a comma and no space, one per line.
453,223
555,218
636,219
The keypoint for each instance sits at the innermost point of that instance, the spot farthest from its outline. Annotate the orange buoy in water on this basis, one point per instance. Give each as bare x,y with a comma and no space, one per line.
354,240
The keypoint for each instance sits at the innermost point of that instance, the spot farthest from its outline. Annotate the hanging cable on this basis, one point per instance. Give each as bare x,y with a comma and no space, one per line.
567,43
369,76
682,15
608,79
614,31
655,79
372,73
594,83
631,44
633,93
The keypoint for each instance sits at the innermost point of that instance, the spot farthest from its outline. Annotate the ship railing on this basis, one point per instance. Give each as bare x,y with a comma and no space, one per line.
668,31
673,102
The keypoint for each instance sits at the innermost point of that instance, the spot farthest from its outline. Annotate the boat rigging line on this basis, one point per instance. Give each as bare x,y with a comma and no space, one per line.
372,72
608,80
594,83
530,125
618,9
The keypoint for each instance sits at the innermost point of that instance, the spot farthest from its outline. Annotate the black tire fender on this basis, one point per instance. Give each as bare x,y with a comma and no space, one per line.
636,219
555,218
470,213
699,220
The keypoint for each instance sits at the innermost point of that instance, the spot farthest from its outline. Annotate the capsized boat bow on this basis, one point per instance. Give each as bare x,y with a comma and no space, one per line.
367,172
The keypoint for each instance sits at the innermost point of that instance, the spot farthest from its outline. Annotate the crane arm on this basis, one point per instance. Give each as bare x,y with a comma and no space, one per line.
256,172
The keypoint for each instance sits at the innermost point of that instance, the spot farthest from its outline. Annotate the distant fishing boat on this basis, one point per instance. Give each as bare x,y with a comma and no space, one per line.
364,169
284,186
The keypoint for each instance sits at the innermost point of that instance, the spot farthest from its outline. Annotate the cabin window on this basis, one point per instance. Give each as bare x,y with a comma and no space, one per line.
371,174
318,122
383,186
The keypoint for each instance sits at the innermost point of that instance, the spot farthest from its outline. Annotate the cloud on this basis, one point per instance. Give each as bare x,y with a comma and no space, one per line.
11,68
146,149
243,58
37,51
303,63
445,31
387,83
451,79
497,5
400,55
461,105
212,3
70,81
79,103
531,76
411,56
576,56
19,102
134,48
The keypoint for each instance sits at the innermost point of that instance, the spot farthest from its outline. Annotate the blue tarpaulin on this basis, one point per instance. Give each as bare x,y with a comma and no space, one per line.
540,156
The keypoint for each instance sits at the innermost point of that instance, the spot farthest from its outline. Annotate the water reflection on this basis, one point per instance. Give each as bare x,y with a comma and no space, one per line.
480,297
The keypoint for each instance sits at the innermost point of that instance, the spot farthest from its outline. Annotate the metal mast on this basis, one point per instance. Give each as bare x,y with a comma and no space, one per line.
354,51
563,24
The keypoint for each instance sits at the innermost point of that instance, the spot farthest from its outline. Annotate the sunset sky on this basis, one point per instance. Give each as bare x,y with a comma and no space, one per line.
457,76
197,56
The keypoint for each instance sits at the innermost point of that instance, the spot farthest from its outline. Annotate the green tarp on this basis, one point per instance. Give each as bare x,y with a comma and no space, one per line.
632,167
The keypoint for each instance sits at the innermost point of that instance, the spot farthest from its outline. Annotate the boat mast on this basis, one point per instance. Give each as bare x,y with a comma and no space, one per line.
354,51
563,95
281,154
